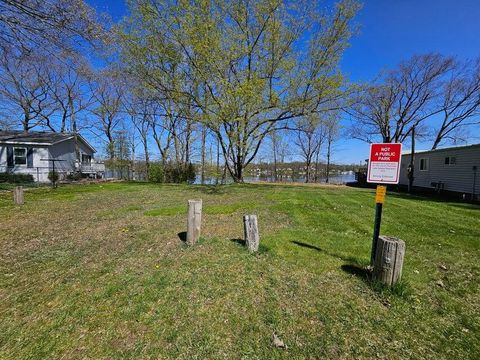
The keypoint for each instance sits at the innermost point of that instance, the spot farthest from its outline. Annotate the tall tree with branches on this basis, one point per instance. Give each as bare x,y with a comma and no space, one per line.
309,139
107,90
240,64
48,25
459,101
25,89
403,99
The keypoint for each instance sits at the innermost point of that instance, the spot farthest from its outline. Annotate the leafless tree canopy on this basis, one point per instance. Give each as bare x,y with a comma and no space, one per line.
437,95
403,100
40,24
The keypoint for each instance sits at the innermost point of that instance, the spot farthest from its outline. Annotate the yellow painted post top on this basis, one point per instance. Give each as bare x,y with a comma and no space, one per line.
380,194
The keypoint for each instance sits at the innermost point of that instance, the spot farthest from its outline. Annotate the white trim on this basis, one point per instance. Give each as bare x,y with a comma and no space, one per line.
399,163
24,143
62,140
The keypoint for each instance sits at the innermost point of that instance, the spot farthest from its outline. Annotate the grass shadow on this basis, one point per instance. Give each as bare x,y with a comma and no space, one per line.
239,241
355,267
349,259
308,246
358,270
182,236
210,189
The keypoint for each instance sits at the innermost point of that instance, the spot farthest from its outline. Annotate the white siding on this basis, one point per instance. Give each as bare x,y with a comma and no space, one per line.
458,177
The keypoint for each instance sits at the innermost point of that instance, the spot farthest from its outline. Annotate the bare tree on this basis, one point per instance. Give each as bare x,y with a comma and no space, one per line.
107,93
309,138
332,131
274,137
460,101
403,100
67,80
140,108
24,89
48,25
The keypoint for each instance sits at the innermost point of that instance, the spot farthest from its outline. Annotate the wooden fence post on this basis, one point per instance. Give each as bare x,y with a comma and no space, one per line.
194,221
389,260
252,238
18,195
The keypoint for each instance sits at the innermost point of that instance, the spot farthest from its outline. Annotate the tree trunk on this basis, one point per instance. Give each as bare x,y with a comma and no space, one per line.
327,169
204,139
274,143
188,135
147,158
307,171
411,167
317,154
218,161
73,120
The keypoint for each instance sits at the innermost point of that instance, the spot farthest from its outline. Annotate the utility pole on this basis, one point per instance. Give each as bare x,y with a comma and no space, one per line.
411,166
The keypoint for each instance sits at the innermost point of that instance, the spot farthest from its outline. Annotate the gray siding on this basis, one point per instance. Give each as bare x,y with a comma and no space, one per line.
458,177
64,150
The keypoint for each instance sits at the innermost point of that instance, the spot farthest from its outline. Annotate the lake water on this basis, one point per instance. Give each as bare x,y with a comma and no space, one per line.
334,179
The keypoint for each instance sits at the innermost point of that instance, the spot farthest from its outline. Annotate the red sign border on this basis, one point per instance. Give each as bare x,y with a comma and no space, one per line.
370,164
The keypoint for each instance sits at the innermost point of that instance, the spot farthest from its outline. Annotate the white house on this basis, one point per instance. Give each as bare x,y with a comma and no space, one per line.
37,153
454,169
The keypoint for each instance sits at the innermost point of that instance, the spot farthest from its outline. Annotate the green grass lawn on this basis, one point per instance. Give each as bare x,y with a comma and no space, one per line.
99,271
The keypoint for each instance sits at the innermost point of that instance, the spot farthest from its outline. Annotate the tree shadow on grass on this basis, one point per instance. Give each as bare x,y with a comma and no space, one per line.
182,236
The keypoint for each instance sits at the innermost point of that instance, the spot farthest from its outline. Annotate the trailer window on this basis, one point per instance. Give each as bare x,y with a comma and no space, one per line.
423,164
450,160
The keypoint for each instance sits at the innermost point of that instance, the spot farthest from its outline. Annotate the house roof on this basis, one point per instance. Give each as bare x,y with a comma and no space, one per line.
37,137
442,149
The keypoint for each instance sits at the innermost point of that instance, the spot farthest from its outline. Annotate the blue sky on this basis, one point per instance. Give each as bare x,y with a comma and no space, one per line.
391,30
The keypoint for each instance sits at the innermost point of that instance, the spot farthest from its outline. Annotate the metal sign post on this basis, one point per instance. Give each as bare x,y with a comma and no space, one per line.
383,168
379,200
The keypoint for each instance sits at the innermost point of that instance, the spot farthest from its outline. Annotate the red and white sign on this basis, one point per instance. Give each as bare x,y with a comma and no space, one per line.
384,163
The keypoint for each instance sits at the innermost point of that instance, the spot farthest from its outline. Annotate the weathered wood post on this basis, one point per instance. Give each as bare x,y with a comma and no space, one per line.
252,238
389,260
194,221
18,195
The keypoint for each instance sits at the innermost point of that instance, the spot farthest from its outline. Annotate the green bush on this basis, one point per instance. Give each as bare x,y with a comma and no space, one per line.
172,173
53,176
75,176
155,173
7,177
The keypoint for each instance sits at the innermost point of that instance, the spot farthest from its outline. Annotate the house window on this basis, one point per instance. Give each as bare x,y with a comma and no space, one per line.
20,156
450,160
423,164
86,159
